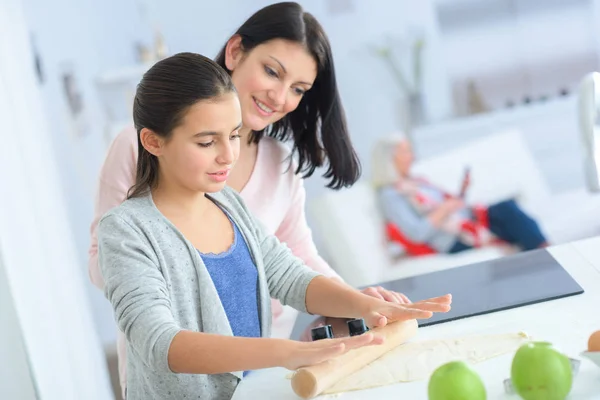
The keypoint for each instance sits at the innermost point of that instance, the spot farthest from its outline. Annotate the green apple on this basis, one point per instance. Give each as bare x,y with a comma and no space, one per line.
455,381
540,372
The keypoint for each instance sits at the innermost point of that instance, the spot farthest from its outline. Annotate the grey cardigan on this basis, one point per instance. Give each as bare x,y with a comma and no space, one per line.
158,286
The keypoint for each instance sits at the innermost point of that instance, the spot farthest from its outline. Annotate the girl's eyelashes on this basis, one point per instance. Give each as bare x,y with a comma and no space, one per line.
209,144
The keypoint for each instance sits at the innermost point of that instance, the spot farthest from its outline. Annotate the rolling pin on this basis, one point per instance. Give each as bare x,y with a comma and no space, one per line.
308,382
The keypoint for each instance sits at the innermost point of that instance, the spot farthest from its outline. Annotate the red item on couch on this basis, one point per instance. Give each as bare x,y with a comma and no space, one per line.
412,248
394,234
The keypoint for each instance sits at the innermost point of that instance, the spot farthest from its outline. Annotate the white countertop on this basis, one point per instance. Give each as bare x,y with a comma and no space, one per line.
567,323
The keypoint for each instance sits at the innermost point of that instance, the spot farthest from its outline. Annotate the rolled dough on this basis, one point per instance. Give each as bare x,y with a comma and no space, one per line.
417,360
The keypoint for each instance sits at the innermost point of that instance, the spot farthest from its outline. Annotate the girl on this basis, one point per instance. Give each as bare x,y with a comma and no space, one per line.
281,64
186,267
423,219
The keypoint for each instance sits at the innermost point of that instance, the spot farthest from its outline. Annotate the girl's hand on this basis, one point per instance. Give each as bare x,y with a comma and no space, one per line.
387,295
302,354
379,312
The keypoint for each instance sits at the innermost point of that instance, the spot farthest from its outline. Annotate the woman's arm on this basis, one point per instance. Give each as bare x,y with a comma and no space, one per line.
116,177
439,215
398,210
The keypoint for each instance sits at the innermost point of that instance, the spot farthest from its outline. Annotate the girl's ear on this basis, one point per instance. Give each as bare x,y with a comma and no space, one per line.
233,52
151,142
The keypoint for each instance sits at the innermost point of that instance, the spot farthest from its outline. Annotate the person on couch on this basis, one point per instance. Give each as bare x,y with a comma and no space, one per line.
425,219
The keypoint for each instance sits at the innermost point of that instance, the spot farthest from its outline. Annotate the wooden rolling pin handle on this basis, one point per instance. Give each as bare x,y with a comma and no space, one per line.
309,382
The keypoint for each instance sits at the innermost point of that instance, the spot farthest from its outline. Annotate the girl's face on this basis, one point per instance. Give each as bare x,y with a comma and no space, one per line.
270,79
203,149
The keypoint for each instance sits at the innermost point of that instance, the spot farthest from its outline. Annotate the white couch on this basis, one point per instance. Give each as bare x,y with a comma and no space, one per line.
352,231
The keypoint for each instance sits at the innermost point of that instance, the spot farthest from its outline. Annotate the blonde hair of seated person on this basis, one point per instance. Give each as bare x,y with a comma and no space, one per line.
383,168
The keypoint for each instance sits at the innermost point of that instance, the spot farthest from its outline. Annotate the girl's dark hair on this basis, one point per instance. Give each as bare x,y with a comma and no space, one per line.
164,95
318,126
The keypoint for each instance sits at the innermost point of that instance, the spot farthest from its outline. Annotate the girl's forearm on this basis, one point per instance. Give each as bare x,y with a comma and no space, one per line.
332,298
202,353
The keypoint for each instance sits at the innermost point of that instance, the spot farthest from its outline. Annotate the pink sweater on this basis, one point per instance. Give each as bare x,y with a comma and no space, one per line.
274,194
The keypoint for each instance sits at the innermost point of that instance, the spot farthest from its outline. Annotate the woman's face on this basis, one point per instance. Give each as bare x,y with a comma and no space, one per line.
270,80
403,158
203,148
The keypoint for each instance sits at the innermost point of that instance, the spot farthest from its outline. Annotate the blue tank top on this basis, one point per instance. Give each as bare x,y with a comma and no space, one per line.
235,277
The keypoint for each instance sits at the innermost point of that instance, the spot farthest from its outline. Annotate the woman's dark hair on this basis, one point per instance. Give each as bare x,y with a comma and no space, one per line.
318,126
164,95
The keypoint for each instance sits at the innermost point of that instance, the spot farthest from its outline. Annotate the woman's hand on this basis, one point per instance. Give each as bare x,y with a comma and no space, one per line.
453,204
302,354
387,295
444,210
379,313
331,298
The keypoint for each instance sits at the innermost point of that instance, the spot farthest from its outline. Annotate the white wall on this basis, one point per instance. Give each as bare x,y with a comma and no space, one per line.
520,37
199,26
37,248
15,377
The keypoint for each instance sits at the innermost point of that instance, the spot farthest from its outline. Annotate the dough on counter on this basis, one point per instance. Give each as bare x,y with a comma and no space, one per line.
417,360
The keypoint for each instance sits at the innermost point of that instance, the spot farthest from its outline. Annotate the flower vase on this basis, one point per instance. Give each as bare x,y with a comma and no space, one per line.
411,114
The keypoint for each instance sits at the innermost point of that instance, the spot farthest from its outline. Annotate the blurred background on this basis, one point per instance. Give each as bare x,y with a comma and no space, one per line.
490,84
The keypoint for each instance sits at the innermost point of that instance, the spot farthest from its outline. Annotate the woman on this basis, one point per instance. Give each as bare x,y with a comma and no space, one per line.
187,269
281,64
424,219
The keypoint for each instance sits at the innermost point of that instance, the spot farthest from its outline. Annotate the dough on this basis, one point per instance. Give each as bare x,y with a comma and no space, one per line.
417,360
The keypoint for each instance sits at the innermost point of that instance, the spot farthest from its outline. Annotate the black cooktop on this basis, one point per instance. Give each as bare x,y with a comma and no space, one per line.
484,287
